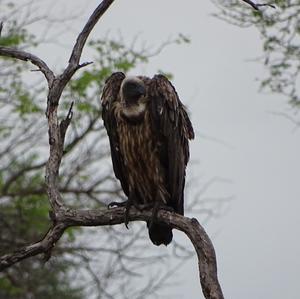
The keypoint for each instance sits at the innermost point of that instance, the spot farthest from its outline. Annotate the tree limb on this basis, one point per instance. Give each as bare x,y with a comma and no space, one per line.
257,5
25,56
82,37
101,217
43,246
74,65
56,136
64,217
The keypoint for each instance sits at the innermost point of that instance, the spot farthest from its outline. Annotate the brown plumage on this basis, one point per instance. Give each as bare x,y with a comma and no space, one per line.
148,130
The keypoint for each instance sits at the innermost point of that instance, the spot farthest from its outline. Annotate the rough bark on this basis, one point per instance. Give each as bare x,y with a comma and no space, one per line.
22,55
71,217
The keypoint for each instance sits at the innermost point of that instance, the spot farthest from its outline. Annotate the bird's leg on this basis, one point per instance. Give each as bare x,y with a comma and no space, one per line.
159,204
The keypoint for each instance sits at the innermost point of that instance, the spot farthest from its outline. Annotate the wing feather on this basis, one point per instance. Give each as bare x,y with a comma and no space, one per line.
173,127
109,96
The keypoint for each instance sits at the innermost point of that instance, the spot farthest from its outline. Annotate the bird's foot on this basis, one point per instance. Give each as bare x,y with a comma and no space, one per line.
124,204
126,216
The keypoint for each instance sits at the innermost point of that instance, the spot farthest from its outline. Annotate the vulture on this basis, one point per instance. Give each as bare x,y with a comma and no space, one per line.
149,132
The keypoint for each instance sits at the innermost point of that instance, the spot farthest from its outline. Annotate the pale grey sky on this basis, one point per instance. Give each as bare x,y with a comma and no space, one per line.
256,240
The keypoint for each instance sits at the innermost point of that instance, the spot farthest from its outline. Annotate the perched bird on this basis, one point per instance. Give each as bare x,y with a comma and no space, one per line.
149,131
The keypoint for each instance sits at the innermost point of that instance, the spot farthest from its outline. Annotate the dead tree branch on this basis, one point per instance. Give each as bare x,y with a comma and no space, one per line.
256,6
56,138
74,60
63,217
43,246
70,217
82,37
22,55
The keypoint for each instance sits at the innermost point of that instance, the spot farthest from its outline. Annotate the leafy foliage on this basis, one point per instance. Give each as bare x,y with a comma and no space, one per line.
280,32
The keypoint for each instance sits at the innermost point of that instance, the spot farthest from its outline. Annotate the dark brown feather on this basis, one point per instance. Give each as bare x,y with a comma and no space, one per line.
150,156
172,126
110,95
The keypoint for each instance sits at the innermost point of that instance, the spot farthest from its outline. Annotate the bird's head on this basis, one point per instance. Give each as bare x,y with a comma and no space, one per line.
132,90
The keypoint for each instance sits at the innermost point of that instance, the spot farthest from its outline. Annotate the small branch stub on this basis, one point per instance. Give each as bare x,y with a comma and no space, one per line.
84,64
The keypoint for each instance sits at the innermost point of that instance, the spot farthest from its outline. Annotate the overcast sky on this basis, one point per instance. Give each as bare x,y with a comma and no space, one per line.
238,137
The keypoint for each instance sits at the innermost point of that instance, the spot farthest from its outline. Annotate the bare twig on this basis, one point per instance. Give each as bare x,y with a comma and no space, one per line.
43,246
257,5
70,217
84,64
74,65
56,138
25,56
82,37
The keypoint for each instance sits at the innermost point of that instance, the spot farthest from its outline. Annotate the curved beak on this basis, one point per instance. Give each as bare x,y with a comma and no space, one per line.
141,90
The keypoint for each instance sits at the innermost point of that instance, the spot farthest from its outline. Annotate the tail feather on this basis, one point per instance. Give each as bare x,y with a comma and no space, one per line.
160,233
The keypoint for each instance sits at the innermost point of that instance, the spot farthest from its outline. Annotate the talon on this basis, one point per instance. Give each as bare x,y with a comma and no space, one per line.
126,223
126,215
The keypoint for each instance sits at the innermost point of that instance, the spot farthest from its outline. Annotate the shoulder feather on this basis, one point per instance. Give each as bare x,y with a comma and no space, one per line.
173,129
110,94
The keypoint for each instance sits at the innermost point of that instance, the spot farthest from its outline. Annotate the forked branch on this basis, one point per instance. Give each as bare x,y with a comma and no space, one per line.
67,218
64,217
